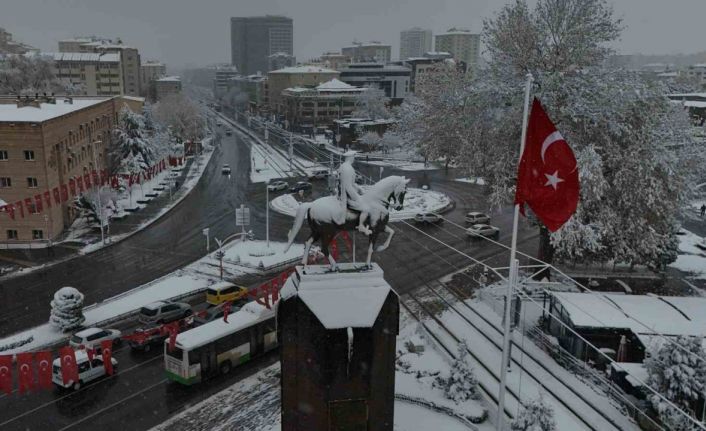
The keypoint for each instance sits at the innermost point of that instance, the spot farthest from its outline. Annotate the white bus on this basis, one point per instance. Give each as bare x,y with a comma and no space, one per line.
217,347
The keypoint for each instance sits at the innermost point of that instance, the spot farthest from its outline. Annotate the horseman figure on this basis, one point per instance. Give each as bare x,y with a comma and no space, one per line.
350,195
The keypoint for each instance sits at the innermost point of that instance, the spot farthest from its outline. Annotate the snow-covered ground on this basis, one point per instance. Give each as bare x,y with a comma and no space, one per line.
253,404
691,259
191,279
402,165
472,180
266,163
416,201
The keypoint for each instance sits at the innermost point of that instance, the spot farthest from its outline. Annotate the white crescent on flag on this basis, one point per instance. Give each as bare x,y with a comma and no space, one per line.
43,364
549,140
4,370
24,368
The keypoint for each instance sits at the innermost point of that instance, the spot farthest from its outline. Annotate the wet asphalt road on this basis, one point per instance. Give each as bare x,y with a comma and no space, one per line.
139,397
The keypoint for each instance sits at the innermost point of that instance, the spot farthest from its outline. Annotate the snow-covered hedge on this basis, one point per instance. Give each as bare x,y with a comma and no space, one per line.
67,309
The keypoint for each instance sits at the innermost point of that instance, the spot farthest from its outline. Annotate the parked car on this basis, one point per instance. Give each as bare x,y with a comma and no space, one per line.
428,218
277,186
301,185
475,217
152,337
319,174
485,230
224,292
91,338
88,371
164,312
225,170
211,314
229,132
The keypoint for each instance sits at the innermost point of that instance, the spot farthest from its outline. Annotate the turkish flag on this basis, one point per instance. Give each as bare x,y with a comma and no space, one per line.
29,205
79,183
107,353
47,198
38,203
90,353
548,177
57,196
44,362
347,240
334,249
173,329
10,210
24,372
95,177
226,310
6,373
72,186
87,180
69,369
18,204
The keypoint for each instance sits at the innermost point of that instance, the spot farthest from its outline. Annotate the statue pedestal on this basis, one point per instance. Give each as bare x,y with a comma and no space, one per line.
337,333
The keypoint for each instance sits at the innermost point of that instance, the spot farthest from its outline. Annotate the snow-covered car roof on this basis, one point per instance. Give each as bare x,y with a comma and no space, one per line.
155,305
88,332
82,356
475,213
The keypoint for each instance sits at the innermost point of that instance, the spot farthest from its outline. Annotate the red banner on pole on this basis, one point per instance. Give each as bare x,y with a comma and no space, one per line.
24,372
87,180
72,187
18,204
79,183
38,203
69,369
44,362
47,198
10,210
65,192
107,353
6,373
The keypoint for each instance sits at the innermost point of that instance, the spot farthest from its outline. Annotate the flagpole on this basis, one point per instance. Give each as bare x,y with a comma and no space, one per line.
512,279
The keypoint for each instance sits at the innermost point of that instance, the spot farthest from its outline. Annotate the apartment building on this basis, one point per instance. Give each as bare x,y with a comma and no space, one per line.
373,51
91,73
393,79
46,144
166,86
308,108
150,71
462,45
298,76
414,42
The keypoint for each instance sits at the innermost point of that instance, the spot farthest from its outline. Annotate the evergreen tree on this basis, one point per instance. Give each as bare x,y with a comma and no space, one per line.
461,384
536,415
130,151
67,309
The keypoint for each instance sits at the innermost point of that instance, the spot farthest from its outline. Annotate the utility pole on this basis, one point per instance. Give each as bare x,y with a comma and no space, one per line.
291,152
267,212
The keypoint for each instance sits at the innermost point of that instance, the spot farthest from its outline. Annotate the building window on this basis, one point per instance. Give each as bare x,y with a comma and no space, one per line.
5,182
29,155
12,234
31,182
37,234
3,154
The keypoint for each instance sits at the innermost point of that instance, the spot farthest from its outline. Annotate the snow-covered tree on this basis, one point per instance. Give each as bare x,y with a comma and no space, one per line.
390,140
461,384
130,151
623,129
371,140
536,415
88,203
67,309
371,104
182,116
680,377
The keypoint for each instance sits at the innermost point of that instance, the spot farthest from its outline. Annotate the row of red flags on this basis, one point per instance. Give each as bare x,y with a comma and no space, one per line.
77,185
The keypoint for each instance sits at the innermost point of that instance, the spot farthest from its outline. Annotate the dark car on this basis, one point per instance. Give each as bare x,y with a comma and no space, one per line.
147,337
301,185
164,312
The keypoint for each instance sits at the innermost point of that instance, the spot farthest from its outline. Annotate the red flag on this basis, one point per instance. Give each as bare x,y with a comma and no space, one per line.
29,206
24,372
44,362
79,183
173,329
6,373
65,193
57,196
72,187
347,240
38,203
114,182
274,290
226,310
47,198
96,178
18,204
90,353
547,178
87,180
107,353
334,249
69,369
10,210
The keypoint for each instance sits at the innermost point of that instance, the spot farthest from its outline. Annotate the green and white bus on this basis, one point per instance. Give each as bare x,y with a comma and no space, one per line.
217,347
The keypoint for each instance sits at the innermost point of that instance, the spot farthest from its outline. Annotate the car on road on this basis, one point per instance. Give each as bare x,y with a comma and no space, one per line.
428,218
475,217
300,185
319,174
485,230
91,338
148,336
224,292
229,132
225,170
211,314
164,312
277,186
88,370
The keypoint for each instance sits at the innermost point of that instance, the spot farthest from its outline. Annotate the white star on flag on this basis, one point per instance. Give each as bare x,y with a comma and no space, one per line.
553,179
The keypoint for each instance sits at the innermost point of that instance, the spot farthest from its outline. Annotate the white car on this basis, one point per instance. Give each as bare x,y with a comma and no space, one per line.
319,174
277,186
87,370
475,217
225,170
428,218
91,338
483,230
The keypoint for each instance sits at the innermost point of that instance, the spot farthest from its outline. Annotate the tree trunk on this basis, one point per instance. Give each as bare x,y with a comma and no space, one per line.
545,253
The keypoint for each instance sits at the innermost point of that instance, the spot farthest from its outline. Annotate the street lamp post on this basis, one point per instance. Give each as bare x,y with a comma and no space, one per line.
46,227
100,204
267,212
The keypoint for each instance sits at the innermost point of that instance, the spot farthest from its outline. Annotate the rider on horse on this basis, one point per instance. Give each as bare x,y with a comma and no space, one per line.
350,196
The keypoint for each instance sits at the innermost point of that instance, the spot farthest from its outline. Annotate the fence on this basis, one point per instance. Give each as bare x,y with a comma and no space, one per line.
466,420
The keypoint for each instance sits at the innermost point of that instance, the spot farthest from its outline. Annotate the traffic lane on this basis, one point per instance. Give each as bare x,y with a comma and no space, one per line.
169,243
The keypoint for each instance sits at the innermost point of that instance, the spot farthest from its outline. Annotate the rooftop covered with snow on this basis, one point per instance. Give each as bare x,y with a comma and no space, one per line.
304,69
9,112
110,57
169,79
351,297
668,315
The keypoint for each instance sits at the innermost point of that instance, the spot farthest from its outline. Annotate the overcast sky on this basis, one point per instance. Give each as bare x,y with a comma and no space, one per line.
196,32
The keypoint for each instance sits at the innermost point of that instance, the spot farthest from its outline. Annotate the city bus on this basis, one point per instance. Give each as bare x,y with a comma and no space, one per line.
217,347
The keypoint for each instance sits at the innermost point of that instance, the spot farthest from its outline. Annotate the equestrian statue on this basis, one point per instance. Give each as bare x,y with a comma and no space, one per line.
365,210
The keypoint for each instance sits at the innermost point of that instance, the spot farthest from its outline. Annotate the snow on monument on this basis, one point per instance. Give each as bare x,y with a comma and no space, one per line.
67,309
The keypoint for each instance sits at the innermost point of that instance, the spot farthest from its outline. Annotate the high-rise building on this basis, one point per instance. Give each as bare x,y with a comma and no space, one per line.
254,39
462,45
370,52
129,57
414,42
90,73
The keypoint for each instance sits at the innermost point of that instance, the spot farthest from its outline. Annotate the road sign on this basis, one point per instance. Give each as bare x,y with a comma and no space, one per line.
205,231
242,216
